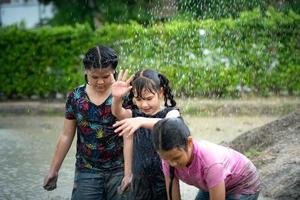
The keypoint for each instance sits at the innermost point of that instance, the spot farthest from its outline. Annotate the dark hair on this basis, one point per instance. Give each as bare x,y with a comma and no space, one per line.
100,57
152,81
170,133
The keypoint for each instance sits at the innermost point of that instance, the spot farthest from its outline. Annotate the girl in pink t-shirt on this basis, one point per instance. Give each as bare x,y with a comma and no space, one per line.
219,172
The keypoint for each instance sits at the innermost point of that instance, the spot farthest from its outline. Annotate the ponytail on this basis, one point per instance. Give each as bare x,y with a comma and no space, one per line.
167,91
172,174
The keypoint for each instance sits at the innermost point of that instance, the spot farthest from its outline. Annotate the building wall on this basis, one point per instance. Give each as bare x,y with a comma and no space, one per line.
31,12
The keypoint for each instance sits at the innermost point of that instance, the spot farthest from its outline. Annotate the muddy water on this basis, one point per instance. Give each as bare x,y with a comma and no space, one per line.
27,145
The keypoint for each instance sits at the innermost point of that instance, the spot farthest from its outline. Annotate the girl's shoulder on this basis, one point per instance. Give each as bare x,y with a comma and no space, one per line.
164,111
168,109
79,89
161,114
76,93
211,153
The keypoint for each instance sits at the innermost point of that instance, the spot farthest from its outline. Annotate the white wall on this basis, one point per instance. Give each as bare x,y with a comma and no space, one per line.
31,13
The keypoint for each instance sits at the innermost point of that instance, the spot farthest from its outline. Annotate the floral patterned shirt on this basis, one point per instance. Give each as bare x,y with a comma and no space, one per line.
98,147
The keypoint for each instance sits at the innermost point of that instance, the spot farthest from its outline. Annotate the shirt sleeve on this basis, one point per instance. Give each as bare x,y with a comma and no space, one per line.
215,174
69,110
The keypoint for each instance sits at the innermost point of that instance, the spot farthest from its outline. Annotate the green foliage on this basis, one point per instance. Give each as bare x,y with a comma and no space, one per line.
96,12
41,61
253,152
257,52
215,9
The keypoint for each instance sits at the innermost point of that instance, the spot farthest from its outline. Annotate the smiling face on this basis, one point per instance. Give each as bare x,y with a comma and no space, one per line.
100,79
178,157
148,102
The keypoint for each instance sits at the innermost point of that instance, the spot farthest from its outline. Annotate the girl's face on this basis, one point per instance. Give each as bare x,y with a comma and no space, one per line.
178,157
149,103
100,79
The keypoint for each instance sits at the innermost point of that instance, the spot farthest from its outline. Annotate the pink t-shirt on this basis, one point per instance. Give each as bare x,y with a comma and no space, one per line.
214,163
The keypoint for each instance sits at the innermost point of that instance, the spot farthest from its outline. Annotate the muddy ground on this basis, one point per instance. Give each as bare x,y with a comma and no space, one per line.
274,147
275,150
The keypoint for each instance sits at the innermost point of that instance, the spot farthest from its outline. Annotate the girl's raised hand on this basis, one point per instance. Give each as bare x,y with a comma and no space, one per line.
127,126
122,86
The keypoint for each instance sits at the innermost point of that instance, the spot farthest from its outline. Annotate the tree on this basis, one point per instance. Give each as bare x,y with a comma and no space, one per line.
230,8
98,12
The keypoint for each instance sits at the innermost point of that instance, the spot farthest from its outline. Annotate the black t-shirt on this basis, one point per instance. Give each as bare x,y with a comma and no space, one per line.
146,161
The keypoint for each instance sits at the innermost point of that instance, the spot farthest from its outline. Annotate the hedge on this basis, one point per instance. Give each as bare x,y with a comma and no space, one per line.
257,52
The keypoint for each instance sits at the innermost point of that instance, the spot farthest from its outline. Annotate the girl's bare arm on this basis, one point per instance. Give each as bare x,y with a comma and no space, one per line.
217,192
63,145
130,125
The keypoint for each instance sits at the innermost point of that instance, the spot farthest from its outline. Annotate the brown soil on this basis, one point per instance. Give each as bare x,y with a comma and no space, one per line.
275,150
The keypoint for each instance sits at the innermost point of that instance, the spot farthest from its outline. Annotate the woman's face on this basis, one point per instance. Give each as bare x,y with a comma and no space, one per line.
178,157
100,79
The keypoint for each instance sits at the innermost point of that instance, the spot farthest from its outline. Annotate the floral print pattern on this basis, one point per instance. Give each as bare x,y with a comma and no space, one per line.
98,147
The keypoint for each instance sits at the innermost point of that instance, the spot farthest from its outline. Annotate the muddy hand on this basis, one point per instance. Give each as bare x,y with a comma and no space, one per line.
125,185
50,182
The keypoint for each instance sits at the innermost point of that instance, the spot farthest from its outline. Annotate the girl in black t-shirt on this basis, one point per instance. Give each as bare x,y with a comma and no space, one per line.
146,90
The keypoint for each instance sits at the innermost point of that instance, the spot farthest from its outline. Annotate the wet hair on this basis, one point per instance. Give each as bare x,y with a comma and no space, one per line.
151,81
100,57
170,133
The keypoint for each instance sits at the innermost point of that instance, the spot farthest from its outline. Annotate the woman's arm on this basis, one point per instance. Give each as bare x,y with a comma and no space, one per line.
117,109
217,192
130,125
63,145
127,151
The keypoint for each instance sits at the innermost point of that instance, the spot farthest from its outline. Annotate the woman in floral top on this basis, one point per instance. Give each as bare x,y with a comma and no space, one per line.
99,157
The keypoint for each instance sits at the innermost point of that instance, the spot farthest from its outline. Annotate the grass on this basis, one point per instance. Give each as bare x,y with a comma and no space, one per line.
252,152
272,106
240,107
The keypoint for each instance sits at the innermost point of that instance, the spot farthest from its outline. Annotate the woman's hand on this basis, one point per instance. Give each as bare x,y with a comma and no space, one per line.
50,181
125,185
122,86
128,126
